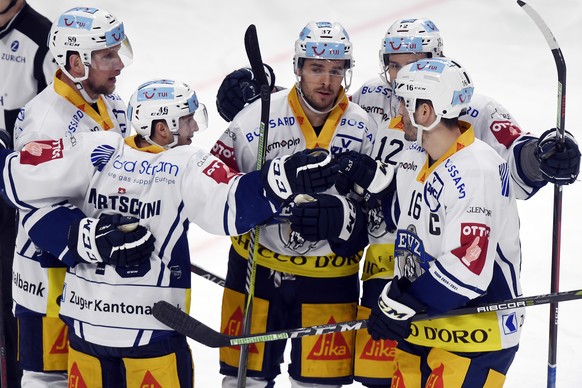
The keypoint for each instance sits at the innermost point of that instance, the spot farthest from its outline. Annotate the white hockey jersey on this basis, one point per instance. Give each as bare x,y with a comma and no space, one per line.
58,111
457,240
348,127
26,64
99,174
491,122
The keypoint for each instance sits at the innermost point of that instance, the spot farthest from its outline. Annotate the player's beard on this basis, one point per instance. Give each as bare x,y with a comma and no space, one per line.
309,96
99,89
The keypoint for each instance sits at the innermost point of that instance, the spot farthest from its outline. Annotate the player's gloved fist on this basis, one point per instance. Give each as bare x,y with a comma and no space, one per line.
239,88
308,171
5,139
391,317
111,239
559,163
364,175
326,217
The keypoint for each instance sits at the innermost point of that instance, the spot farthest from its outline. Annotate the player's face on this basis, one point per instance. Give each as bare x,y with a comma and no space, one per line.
410,131
321,82
106,65
186,129
398,61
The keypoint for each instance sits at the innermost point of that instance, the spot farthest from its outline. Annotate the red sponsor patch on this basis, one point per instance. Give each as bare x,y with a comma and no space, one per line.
474,243
505,132
40,151
331,346
219,172
225,153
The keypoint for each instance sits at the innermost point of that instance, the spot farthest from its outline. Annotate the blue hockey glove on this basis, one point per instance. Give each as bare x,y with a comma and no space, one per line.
363,175
239,88
308,171
111,239
391,317
559,164
5,139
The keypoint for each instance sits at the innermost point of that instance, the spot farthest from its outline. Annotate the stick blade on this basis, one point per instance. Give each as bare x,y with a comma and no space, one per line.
183,323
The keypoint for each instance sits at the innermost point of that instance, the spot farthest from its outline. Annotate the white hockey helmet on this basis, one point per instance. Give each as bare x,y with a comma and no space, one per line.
442,81
164,100
411,36
323,40
84,30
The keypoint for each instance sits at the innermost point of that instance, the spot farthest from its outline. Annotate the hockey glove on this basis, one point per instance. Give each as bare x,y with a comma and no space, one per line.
326,217
5,139
308,171
111,239
559,163
391,317
239,88
364,175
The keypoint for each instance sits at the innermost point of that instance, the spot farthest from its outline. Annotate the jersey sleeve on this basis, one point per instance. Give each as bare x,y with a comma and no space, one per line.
222,201
494,125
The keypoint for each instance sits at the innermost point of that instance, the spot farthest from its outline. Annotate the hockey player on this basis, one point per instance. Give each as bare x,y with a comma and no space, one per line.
299,283
27,69
91,49
457,237
114,339
533,162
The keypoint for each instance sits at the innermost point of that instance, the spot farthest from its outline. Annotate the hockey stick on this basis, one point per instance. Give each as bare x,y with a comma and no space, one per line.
207,275
557,216
254,55
184,324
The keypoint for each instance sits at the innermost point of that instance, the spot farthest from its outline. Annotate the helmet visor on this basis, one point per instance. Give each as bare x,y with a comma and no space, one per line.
113,58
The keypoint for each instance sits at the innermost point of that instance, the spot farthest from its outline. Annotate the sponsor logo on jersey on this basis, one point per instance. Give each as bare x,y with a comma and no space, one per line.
283,144
505,131
125,204
149,381
76,378
383,350
40,151
510,324
436,379
101,155
279,121
332,346
222,152
456,176
99,305
474,242
407,166
220,172
234,328
144,167
13,58
343,143
504,176
433,189
36,289
479,210
457,336
60,346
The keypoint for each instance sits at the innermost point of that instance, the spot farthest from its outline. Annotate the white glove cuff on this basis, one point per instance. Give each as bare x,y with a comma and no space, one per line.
86,244
393,309
277,178
382,178
349,219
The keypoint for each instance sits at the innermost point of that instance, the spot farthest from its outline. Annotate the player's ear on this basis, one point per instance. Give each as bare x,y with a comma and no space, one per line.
425,114
75,65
